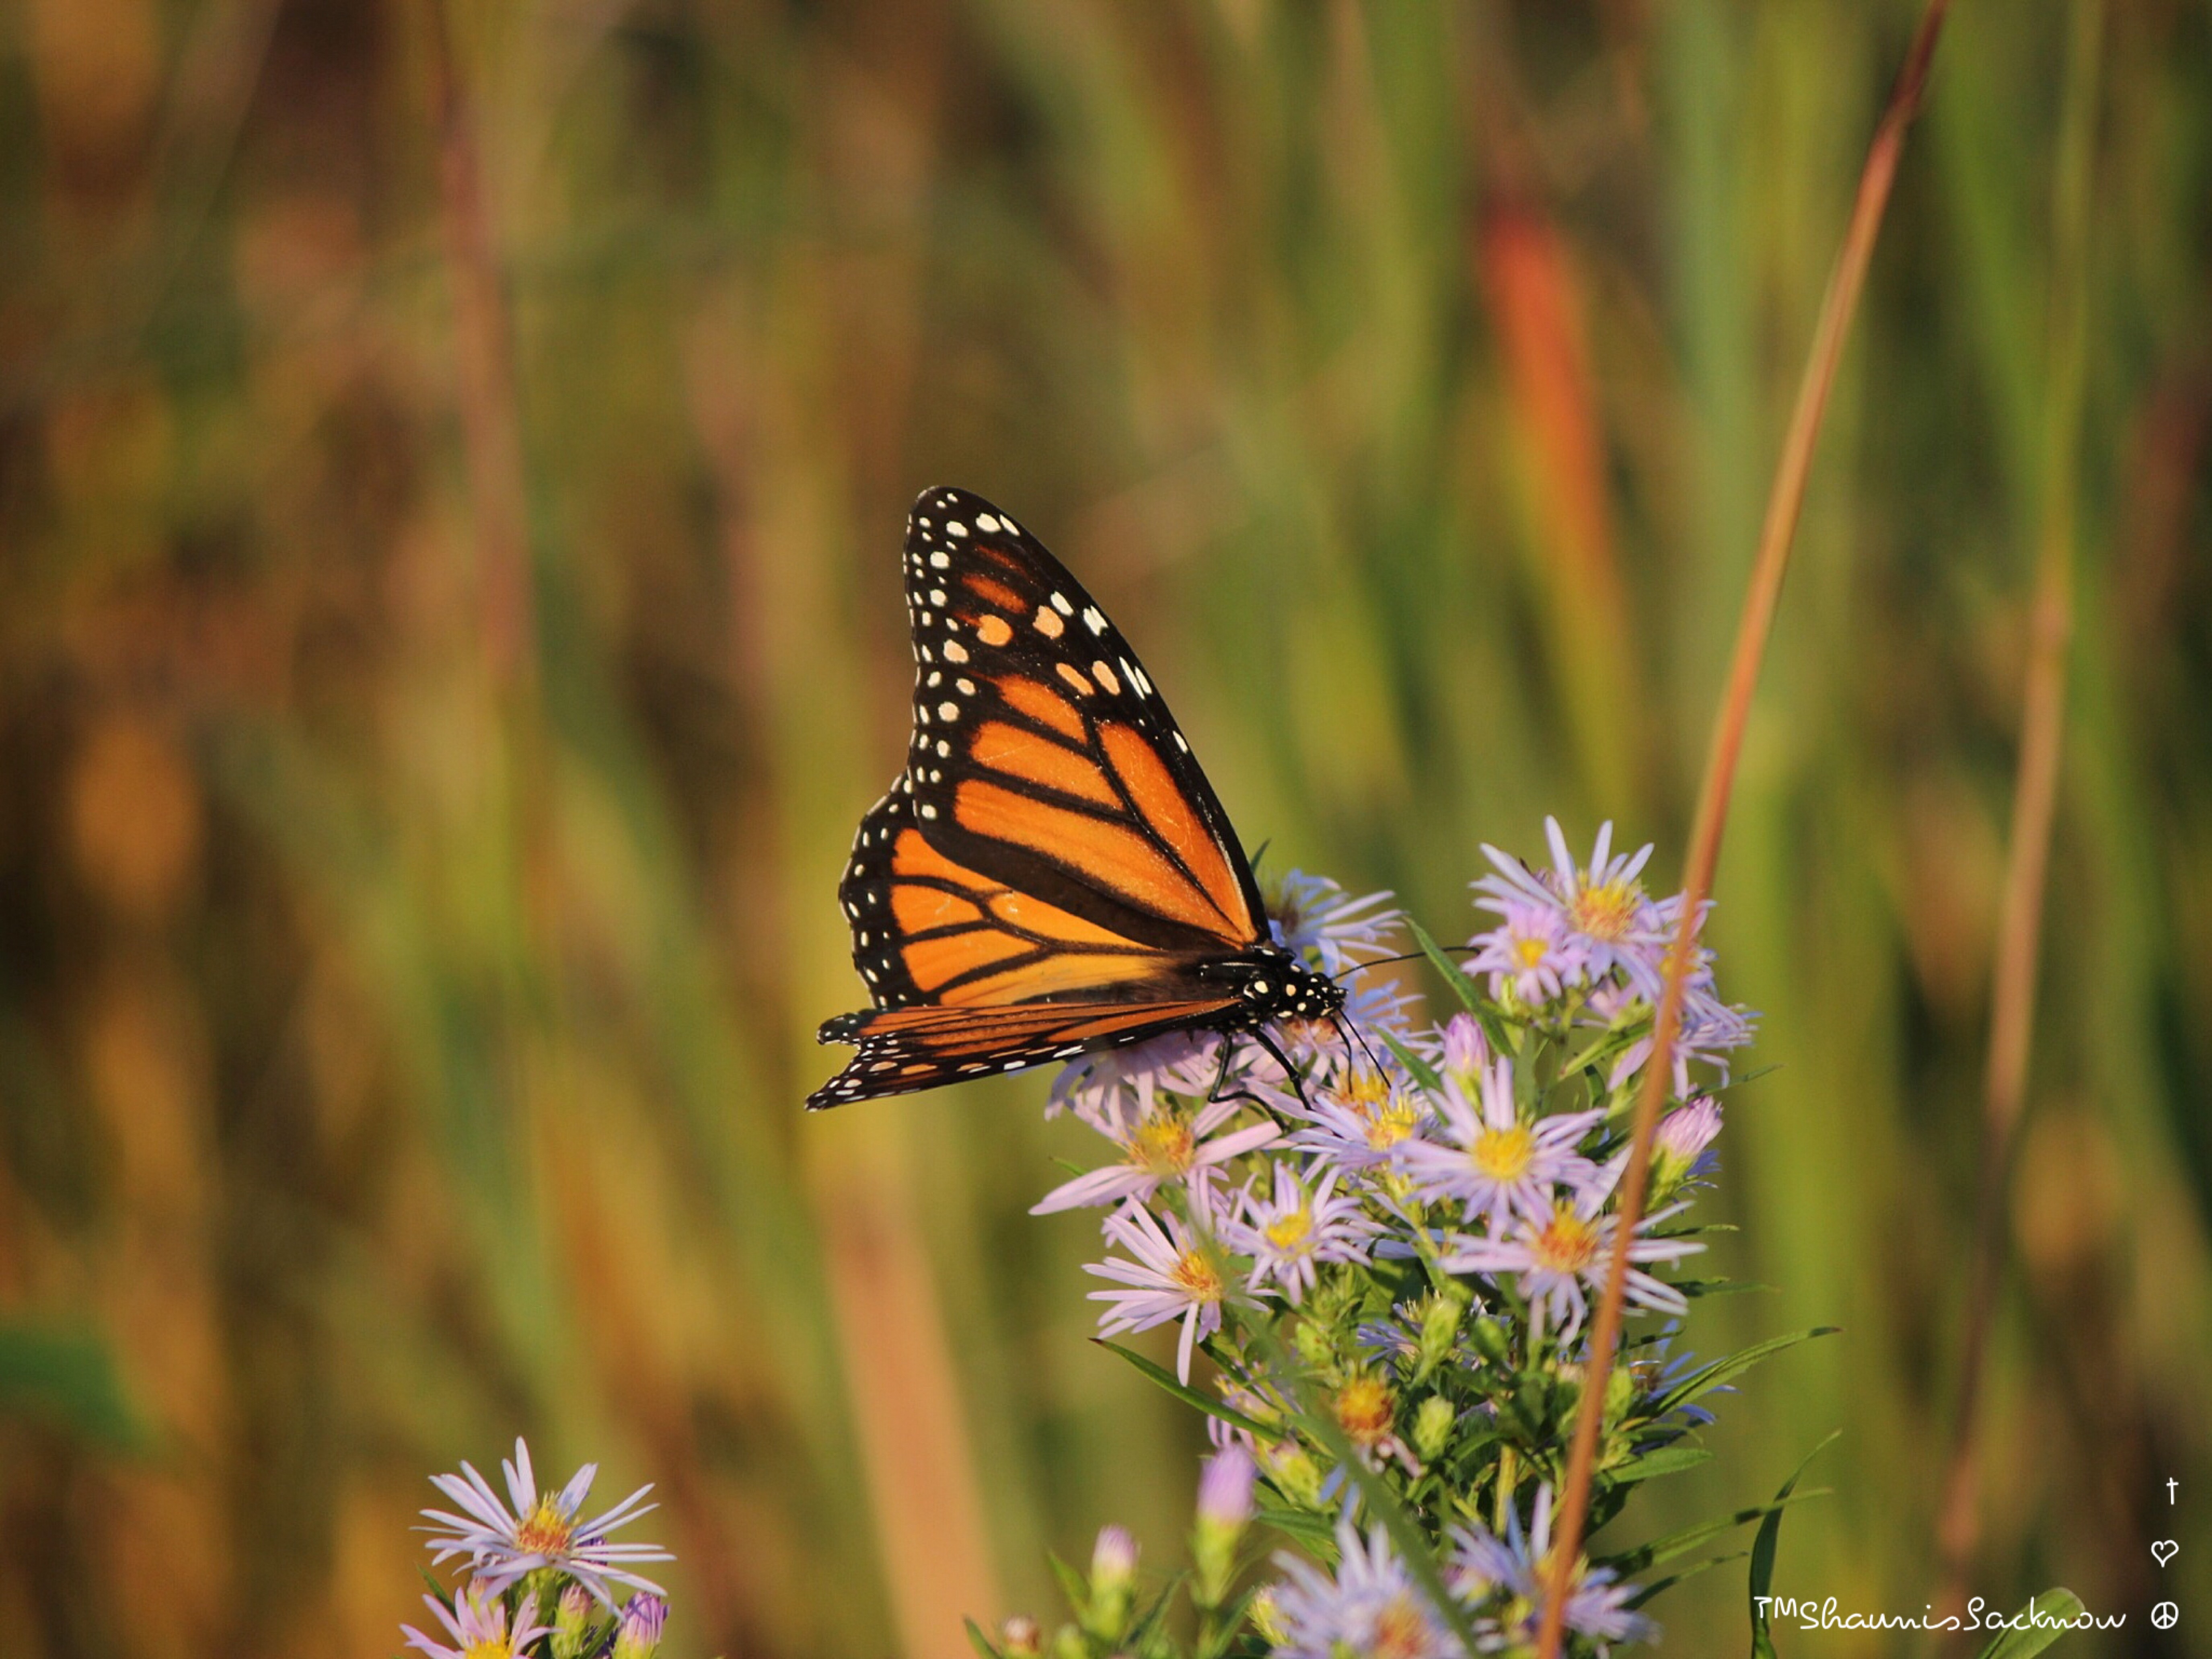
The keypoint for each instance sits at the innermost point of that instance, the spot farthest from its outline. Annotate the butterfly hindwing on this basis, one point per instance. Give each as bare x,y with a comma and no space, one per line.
905,1050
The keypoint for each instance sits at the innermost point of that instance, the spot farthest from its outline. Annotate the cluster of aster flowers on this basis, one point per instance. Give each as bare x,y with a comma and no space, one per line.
539,1581
1388,1253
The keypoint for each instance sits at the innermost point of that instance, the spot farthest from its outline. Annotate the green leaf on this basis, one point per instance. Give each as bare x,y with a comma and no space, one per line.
1682,1542
1697,1287
1423,1073
1072,1584
1762,1554
1707,1378
1648,1592
1189,1397
2058,1607
1455,976
1313,1532
982,1643
68,1378
1142,1631
1668,1460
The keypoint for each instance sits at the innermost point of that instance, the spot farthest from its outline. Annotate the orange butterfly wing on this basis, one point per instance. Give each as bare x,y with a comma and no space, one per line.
1052,872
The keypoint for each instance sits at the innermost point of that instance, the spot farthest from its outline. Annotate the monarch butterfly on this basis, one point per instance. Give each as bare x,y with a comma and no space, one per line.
1051,874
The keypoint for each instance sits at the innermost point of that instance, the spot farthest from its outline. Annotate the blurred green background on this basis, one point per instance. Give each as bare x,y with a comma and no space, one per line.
426,775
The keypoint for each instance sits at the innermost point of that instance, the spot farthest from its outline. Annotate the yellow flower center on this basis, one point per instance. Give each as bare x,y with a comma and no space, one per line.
1365,1409
1504,1155
496,1647
1288,1232
1164,1146
1391,1124
1366,1096
544,1530
1567,1244
1606,912
1400,1630
1197,1275
1363,1091
1531,952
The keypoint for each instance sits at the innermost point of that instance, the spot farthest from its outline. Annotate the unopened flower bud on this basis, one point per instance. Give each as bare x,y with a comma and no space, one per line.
1225,1507
637,1633
1439,1331
1681,1144
1313,1343
1113,1576
1267,1619
1224,1489
1112,1560
1432,1427
1020,1638
1487,1338
572,1622
1296,1475
1467,1051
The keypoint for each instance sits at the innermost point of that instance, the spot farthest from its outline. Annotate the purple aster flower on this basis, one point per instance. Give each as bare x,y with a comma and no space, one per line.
1093,1085
1312,912
1371,1607
1159,1143
1290,1234
1174,1276
1709,1030
1395,1342
1564,1253
540,1532
1530,956
1262,1403
1359,1124
1496,1164
1517,1567
478,1623
1609,918
1657,1371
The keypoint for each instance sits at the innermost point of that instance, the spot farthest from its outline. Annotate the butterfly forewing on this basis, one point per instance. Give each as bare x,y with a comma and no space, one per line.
1042,749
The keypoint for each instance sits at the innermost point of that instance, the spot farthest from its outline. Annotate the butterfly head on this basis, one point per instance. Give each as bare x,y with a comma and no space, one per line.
1272,984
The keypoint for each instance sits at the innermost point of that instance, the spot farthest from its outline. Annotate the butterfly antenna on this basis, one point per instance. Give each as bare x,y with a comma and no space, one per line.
1411,956
1349,1030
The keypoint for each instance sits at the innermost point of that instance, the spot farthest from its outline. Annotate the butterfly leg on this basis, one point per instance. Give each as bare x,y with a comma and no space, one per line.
1220,1090
1298,1085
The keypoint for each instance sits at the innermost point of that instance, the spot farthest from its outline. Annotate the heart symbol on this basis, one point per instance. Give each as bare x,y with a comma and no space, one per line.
2164,1551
